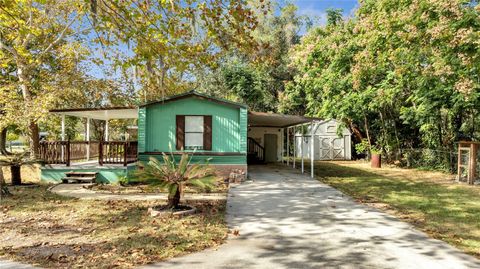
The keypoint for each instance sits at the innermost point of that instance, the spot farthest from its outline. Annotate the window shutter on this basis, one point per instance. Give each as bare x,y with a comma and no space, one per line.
180,133
207,132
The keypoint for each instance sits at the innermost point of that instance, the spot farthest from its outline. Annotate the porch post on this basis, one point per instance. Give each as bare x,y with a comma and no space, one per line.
63,136
301,150
288,146
106,130
87,138
294,144
63,128
312,141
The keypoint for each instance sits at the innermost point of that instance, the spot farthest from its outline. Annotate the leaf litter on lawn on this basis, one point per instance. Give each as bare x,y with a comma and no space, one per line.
47,230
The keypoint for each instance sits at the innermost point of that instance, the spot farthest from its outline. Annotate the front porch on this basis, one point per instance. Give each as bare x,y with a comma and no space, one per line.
110,160
89,152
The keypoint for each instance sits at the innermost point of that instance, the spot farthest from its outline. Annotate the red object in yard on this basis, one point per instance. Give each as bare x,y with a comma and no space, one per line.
376,161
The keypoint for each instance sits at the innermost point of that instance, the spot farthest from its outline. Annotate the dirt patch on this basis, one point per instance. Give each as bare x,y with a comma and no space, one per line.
44,229
30,174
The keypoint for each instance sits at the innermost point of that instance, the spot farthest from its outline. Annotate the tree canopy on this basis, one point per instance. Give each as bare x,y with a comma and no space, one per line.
400,74
49,50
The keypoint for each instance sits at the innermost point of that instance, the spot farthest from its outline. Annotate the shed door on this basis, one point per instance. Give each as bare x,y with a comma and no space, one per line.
332,148
270,144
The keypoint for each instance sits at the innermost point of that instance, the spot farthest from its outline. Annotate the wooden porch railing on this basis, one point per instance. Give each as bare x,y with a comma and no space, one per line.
55,152
107,152
118,152
78,150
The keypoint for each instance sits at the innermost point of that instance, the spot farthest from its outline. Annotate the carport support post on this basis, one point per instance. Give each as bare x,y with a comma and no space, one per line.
63,127
312,141
288,146
106,130
63,135
294,144
301,148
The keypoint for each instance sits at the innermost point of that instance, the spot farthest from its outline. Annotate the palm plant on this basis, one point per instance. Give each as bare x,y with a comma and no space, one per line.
174,177
15,161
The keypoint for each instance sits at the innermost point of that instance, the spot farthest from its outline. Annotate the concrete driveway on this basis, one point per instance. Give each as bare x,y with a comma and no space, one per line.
287,220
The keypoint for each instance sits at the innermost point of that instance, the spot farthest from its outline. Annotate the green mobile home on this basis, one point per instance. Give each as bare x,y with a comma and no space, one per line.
214,129
219,131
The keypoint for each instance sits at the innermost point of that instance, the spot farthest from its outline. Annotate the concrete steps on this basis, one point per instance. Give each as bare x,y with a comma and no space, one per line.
80,177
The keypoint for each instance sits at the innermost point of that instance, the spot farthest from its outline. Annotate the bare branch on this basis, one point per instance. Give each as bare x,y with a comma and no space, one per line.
60,37
29,22
7,48
10,15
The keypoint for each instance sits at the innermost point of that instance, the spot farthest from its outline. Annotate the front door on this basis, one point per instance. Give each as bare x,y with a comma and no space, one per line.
270,143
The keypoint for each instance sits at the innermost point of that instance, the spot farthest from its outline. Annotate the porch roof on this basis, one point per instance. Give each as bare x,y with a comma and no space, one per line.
106,113
264,119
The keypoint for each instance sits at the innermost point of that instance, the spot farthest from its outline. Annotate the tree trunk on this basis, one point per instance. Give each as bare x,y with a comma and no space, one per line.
27,98
16,175
367,131
175,200
3,142
3,187
356,132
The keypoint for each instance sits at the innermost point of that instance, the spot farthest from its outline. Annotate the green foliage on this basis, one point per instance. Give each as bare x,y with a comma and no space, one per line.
249,85
398,74
362,147
258,77
365,148
170,38
334,16
11,136
174,177
17,159
123,180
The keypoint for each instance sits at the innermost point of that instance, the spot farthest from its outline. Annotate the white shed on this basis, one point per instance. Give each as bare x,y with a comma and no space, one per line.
329,143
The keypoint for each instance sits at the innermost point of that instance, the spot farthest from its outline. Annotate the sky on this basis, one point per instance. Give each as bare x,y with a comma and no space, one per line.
317,7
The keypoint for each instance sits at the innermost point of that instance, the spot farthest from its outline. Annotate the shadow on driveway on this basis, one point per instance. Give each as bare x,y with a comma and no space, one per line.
287,220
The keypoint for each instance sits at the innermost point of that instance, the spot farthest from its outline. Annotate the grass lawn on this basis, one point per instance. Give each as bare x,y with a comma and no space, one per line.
429,200
48,230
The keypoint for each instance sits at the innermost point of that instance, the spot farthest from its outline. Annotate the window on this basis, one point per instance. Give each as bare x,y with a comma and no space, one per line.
194,132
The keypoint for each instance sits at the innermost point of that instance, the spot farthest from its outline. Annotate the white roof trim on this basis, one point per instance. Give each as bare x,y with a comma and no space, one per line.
100,114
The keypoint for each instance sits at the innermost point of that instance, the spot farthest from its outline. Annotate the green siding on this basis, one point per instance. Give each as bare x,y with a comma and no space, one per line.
105,175
160,124
141,129
243,129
